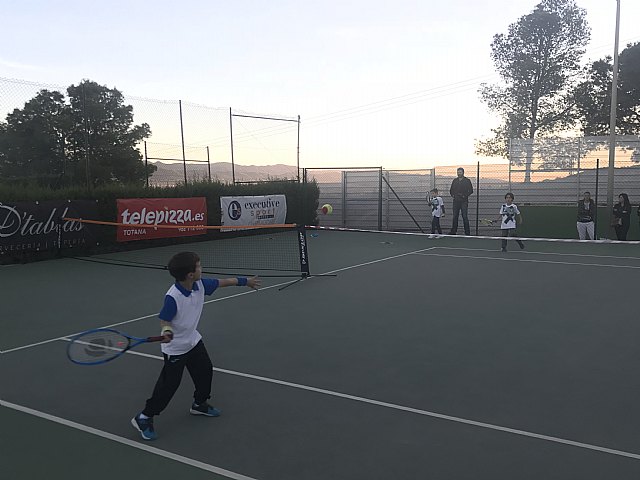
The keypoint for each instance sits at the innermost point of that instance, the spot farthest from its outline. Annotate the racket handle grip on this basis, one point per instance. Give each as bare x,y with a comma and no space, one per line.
155,339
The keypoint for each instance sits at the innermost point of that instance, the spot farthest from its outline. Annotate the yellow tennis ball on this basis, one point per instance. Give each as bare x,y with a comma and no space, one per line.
327,209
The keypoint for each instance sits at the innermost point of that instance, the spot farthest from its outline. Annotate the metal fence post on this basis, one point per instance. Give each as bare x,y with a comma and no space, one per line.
380,199
595,222
510,161
87,159
344,198
184,157
208,163
579,155
387,199
233,166
146,165
477,197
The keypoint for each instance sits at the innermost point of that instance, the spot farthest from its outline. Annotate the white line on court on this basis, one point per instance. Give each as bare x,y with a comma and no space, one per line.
217,300
135,319
416,411
528,260
441,416
540,253
414,252
125,441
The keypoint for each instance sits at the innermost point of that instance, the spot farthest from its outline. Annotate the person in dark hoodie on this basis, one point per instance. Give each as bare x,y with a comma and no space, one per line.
460,190
622,216
586,217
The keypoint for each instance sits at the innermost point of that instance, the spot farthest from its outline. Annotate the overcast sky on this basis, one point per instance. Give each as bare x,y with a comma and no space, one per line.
375,82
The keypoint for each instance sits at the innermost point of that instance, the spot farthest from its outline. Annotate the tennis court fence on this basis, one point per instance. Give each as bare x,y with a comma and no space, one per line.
547,177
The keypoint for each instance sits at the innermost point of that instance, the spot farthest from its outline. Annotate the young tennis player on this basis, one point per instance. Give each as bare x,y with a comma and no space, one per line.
182,345
508,213
437,210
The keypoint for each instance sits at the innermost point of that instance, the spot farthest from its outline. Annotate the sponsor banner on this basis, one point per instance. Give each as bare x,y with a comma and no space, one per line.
39,226
182,212
259,210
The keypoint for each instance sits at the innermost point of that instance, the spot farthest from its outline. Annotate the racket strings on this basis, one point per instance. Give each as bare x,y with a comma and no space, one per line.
97,347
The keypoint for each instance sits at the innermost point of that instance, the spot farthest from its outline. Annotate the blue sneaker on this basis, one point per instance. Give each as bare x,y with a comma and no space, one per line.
145,427
204,409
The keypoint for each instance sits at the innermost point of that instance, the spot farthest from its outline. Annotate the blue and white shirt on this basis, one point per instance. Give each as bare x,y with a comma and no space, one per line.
182,308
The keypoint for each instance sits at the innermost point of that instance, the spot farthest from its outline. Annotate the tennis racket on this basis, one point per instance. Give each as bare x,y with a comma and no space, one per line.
487,222
102,345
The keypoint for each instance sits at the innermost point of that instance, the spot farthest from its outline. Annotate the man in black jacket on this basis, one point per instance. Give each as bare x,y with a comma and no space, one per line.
460,190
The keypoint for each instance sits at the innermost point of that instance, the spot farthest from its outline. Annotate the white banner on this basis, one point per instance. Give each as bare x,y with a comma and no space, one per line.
260,210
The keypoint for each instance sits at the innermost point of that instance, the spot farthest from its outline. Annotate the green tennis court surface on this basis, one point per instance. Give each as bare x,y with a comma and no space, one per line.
423,358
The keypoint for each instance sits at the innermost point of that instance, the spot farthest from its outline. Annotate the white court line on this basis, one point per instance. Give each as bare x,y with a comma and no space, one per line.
539,253
125,441
414,252
441,416
528,260
63,337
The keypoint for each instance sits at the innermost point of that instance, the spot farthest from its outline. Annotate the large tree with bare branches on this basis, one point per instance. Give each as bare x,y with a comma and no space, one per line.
538,61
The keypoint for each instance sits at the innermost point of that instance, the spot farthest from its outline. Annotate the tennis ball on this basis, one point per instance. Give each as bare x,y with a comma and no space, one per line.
327,209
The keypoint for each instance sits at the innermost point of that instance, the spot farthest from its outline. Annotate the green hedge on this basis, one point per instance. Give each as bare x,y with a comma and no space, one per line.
552,221
302,198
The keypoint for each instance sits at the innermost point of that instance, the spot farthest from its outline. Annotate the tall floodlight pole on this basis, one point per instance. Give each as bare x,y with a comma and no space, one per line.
612,121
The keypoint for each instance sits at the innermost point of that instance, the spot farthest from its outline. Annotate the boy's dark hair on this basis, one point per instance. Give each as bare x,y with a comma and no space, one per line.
182,264
509,194
587,193
434,190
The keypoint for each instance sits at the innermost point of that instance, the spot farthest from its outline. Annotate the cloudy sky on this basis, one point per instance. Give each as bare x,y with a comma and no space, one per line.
375,82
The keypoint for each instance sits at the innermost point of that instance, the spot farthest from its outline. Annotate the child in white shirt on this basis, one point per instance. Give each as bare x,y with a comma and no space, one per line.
509,213
437,210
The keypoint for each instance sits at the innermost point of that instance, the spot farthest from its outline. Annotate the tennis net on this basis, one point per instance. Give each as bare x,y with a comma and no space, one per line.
267,250
624,252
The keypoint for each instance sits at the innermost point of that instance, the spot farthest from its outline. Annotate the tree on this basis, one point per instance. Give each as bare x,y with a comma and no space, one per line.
103,137
90,139
594,99
538,61
32,141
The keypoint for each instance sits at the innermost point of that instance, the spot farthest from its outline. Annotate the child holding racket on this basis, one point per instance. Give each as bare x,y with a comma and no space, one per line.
437,210
182,345
508,213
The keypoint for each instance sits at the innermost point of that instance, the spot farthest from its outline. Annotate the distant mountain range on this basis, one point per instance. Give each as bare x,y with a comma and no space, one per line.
172,173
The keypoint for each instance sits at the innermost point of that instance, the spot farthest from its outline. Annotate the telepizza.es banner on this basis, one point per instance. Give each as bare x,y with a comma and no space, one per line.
259,210
39,226
184,212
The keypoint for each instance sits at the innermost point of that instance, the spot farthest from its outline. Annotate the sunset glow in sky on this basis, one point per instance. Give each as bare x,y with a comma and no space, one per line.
375,82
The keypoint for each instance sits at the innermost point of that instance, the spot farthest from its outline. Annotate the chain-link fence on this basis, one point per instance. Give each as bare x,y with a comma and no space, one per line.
187,140
547,181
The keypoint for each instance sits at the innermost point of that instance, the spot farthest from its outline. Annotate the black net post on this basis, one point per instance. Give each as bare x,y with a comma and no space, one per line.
304,254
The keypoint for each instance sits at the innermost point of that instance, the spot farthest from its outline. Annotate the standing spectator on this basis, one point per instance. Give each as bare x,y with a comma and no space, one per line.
586,217
437,210
460,190
622,216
